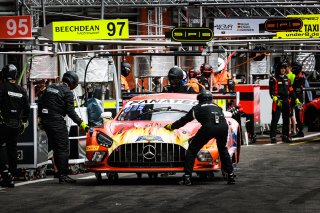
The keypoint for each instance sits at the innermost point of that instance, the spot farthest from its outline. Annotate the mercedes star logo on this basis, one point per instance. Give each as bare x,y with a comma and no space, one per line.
149,152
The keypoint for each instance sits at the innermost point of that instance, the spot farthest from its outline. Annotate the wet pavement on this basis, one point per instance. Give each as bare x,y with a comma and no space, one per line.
270,178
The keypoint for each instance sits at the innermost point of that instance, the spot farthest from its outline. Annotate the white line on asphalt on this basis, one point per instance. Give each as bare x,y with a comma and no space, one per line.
30,182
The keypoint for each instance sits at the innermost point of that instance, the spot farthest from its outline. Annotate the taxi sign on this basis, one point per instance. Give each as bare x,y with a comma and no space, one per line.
90,30
191,34
310,28
282,24
13,27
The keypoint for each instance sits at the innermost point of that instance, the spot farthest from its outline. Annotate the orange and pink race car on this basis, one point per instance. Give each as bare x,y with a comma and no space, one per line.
136,142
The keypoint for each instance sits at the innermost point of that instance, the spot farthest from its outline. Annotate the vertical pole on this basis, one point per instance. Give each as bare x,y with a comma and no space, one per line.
102,9
43,13
249,76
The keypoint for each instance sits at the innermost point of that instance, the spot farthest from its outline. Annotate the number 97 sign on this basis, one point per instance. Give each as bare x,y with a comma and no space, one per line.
13,27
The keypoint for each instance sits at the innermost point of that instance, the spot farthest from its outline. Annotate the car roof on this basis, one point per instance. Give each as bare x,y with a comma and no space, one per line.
165,96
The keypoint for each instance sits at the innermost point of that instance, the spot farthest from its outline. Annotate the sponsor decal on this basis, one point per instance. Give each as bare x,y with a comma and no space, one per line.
14,94
92,148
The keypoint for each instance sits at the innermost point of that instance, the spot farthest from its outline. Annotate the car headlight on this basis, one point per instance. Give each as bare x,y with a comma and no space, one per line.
104,140
98,156
204,156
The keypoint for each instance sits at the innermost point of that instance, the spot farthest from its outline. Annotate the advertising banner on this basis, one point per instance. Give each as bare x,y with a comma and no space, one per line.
90,30
239,27
310,28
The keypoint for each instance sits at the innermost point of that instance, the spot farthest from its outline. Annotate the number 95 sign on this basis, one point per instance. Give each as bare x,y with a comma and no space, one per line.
15,27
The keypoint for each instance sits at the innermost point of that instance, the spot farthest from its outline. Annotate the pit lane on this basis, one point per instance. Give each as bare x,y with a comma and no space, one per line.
270,178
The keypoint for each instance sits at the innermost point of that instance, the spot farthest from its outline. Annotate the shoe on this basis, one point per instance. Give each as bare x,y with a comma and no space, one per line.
7,180
56,175
273,140
300,134
66,179
230,179
286,139
186,180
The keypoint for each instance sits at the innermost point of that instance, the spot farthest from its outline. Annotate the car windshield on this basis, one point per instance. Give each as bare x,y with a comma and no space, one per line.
156,110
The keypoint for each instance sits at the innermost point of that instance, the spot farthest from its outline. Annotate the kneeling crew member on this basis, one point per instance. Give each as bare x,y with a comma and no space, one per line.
213,125
14,113
57,102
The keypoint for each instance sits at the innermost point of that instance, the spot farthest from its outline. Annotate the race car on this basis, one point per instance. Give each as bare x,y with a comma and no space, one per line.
310,115
135,141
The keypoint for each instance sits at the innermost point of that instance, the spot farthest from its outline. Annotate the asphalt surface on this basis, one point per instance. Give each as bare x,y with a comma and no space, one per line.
270,178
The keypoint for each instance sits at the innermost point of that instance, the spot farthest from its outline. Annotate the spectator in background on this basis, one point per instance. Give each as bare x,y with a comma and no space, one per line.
298,86
125,71
221,77
194,74
292,120
175,77
206,71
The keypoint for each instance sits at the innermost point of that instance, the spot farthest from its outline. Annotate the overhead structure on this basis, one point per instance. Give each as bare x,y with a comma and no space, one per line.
188,10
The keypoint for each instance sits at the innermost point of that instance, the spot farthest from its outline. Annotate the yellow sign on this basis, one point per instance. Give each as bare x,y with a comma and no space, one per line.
90,30
221,103
92,148
192,34
310,28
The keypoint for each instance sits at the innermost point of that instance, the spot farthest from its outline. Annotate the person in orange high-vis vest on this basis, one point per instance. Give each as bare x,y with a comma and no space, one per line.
125,71
193,81
220,81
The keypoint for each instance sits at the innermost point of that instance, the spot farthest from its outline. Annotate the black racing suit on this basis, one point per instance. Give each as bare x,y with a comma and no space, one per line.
15,110
214,125
205,81
57,102
298,85
280,86
178,89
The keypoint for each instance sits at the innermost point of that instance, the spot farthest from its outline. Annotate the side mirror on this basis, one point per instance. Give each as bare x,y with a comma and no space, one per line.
106,115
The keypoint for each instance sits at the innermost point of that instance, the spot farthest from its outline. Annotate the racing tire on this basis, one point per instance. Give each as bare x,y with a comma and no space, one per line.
98,176
139,175
26,176
153,175
113,176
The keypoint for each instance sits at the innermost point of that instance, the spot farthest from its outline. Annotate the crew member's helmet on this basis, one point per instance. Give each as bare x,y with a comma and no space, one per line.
296,68
194,73
175,76
279,67
71,78
125,69
204,96
9,72
206,70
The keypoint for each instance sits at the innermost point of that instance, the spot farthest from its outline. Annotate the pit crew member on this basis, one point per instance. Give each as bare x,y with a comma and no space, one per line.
213,125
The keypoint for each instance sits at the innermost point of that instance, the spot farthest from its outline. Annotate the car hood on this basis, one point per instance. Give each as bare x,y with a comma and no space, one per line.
126,132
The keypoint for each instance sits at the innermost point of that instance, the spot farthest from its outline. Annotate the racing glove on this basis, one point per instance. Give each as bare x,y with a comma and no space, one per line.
23,127
279,103
298,104
275,98
84,126
168,127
